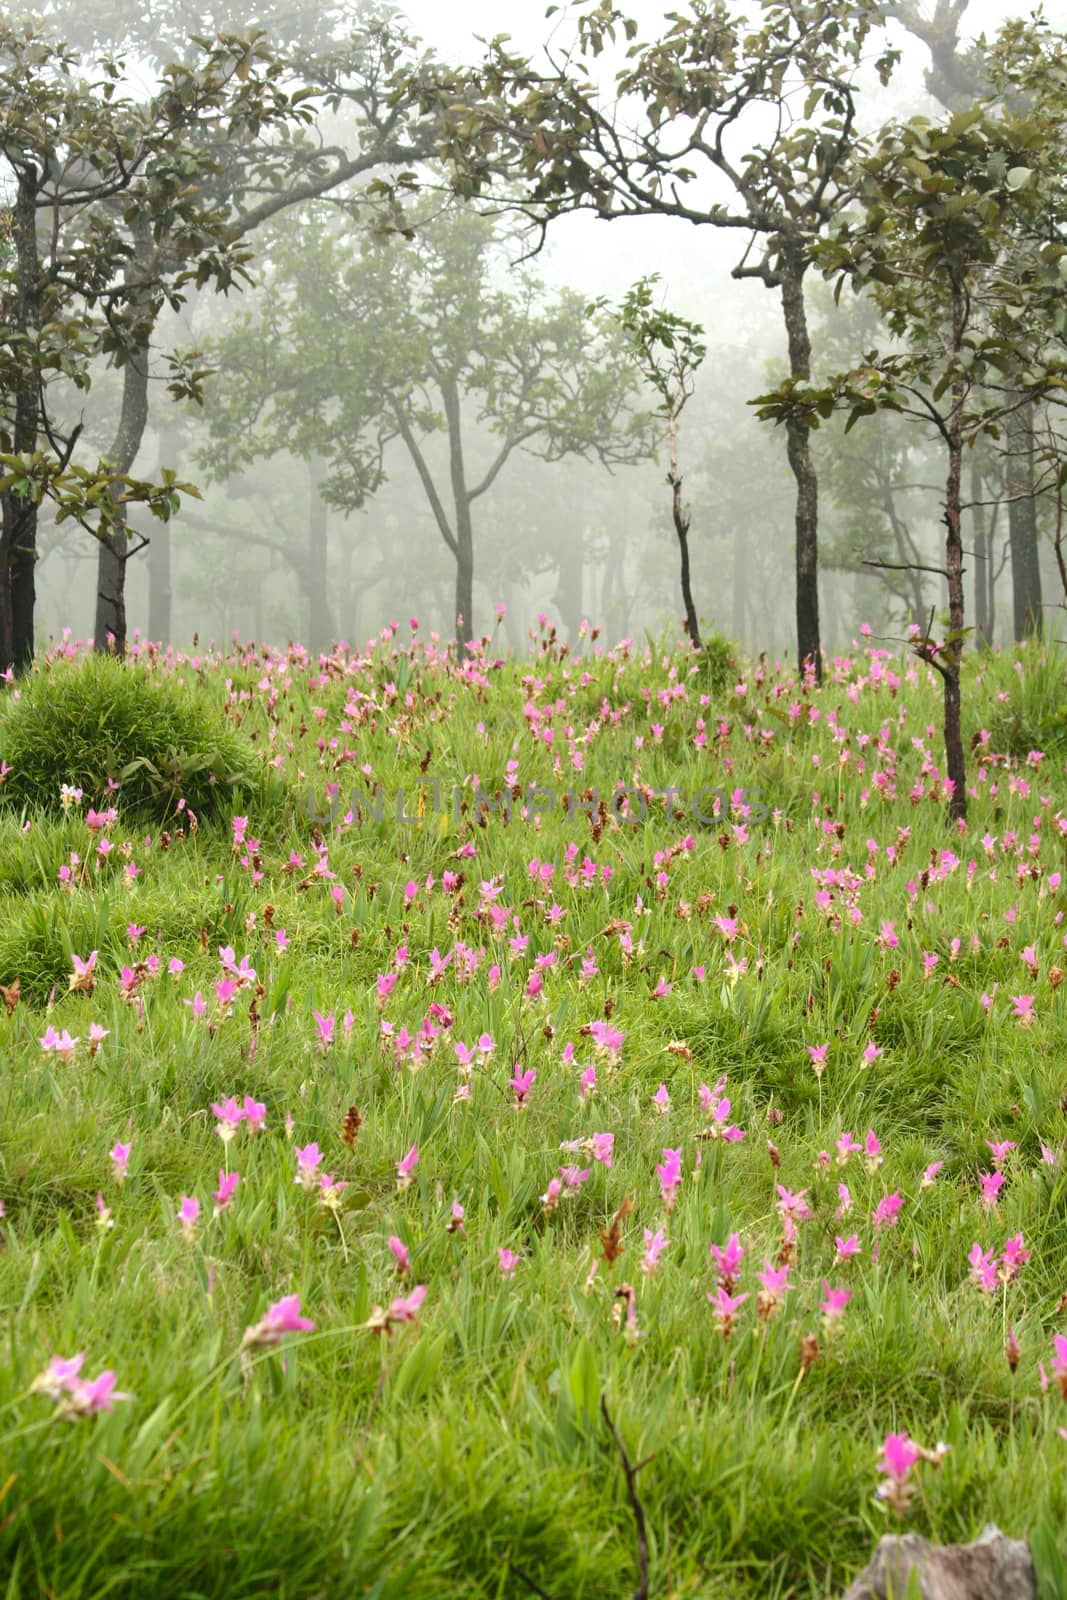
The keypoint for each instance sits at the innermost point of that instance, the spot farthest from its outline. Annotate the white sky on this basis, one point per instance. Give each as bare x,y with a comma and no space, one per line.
694,263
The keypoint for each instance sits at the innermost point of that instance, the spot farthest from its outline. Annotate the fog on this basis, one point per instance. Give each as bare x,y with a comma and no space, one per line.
273,552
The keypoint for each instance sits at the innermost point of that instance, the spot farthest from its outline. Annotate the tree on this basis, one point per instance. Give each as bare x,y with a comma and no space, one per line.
99,179
669,353
335,62
952,239
697,102
364,339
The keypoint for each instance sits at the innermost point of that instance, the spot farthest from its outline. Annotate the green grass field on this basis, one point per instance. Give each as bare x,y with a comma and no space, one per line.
491,992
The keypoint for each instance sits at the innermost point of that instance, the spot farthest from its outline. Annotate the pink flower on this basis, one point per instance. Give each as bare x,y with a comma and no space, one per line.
847,1247
324,1027
1024,1009
508,1260
1000,1149
871,1052
587,1083
774,1282
872,1151
927,1179
662,1100
724,1308
794,1206
602,1146
520,1085
899,1455
833,1306
255,1113
308,1161
728,1261
189,1212
846,1146
400,1254
1013,1258
120,1156
655,1244
983,1268
1059,1362
405,1307
222,1196
887,1211
992,1183
405,1167
818,1054
670,1176
230,1116
281,1318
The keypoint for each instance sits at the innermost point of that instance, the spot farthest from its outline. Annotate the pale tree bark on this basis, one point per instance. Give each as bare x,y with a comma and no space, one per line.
109,632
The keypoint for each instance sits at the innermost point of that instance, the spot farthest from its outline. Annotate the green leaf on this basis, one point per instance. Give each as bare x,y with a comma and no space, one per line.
583,1381
1019,177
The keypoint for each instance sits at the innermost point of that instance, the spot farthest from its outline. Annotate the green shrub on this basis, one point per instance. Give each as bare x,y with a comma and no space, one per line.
718,663
99,721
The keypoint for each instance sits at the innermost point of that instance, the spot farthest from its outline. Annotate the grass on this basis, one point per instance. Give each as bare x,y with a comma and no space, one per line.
467,1446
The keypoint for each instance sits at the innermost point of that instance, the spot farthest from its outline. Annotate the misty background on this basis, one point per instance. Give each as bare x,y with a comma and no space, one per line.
569,539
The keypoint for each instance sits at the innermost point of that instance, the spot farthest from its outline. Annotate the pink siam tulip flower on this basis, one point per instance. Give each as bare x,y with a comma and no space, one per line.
887,1212
728,1261
833,1307
587,1083
405,1167
774,1285
1013,1258
120,1157
1024,1009
669,1173
872,1151
991,1184
846,1248
508,1260
229,1118
724,1308
308,1161
818,1054
655,1244
1059,1362
846,1146
255,1114
279,1319
222,1196
330,1190
662,1100
403,1309
1000,1150
400,1254
792,1205
927,1179
520,1085
324,1028
899,1455
983,1268
189,1214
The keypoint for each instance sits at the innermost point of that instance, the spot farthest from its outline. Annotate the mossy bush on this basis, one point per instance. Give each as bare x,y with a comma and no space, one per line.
100,722
1034,717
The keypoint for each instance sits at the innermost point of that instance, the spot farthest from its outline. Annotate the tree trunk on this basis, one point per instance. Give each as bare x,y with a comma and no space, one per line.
109,632
681,528
18,594
464,528
798,445
952,655
1022,523
568,596
321,634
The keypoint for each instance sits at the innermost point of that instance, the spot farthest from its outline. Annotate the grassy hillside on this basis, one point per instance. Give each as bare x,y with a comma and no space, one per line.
497,1054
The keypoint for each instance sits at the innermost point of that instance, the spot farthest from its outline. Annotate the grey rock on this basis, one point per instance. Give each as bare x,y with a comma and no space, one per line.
994,1567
